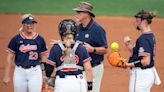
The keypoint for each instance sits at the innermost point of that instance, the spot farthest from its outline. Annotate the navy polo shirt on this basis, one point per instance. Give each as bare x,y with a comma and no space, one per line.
145,45
94,35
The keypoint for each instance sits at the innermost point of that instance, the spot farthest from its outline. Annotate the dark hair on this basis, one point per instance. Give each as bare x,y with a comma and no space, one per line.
146,15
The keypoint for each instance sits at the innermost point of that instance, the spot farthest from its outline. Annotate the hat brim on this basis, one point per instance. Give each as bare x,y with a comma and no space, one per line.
29,22
84,10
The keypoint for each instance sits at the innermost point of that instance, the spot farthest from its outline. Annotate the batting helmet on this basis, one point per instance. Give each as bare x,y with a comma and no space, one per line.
67,26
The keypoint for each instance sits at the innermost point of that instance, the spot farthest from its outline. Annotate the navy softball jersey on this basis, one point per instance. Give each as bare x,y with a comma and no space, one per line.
27,51
57,59
145,45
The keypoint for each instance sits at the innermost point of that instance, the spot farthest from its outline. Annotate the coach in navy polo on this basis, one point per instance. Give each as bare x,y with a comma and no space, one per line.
93,36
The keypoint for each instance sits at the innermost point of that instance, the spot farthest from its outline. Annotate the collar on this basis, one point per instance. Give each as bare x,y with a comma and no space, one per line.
149,32
25,37
89,26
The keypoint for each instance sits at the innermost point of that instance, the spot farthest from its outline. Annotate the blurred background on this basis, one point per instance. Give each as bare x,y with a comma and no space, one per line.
101,7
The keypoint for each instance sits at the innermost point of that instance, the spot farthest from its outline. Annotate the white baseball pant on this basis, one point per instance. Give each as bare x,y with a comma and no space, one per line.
27,79
141,80
70,83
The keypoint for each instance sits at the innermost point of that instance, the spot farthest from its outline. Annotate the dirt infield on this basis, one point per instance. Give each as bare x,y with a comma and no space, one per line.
115,79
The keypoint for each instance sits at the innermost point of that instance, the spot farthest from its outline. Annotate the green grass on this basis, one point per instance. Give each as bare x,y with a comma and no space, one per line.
101,7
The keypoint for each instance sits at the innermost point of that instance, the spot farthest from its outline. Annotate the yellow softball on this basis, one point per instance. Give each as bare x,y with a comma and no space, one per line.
114,46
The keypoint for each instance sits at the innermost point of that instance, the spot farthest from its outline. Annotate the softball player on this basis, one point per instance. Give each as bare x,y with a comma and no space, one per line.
94,38
27,49
69,58
142,60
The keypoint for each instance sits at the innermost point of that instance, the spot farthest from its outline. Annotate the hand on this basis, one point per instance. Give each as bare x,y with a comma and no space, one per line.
127,40
54,41
88,47
6,80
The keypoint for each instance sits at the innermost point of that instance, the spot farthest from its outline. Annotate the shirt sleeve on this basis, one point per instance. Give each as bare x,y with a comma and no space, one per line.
51,57
100,37
50,62
86,56
144,48
12,45
43,47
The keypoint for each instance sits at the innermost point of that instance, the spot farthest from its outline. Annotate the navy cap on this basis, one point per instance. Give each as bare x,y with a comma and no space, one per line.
28,20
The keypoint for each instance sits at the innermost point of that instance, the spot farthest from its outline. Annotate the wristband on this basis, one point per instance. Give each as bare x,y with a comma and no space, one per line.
138,64
90,85
94,50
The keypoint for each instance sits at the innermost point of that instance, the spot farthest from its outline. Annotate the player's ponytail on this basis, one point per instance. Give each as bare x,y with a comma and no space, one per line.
152,14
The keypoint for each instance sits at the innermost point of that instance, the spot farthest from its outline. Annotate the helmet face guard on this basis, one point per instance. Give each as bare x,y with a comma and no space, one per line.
67,27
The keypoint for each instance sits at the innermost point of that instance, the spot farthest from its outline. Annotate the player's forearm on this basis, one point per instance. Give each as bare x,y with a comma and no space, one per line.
7,71
143,62
89,75
88,71
10,59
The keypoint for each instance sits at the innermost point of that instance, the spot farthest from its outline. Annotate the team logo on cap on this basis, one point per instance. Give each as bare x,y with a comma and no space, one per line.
31,18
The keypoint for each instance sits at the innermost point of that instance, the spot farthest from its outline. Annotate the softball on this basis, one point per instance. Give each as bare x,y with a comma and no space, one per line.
114,46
